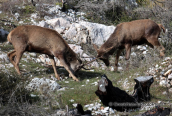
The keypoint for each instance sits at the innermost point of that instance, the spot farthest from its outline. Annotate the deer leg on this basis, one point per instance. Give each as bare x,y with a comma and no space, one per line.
67,67
153,42
117,58
128,51
11,56
127,55
54,67
18,57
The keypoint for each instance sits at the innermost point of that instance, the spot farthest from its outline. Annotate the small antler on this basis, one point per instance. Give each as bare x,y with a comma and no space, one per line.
82,65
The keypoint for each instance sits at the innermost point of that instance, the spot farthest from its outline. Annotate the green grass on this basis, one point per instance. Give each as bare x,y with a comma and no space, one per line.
7,47
83,92
86,94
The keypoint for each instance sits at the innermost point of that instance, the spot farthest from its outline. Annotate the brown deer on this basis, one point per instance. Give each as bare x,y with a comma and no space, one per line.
46,41
128,34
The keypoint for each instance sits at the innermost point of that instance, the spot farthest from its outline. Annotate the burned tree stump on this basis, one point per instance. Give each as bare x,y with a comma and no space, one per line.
120,100
141,89
114,97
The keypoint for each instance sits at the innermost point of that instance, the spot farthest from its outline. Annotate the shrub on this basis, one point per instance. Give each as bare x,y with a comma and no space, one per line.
28,9
12,89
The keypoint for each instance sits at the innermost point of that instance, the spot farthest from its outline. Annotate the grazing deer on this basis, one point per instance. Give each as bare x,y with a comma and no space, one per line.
128,34
46,41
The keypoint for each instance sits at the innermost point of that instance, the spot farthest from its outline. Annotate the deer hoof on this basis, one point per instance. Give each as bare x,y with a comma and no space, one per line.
76,80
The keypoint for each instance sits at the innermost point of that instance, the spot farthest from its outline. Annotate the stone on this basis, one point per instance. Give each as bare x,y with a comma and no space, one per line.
145,52
170,90
44,24
168,72
33,54
4,58
120,69
59,22
71,32
133,54
89,32
167,58
142,48
171,82
98,33
45,84
170,76
163,83
163,78
34,15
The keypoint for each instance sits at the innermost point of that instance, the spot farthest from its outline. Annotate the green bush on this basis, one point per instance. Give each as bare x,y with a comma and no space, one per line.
29,9
12,89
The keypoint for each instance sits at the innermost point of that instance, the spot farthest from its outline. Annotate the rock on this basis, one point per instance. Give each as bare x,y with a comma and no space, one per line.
32,54
54,9
77,49
82,37
111,68
42,84
61,113
44,24
164,93
168,72
98,32
170,90
78,33
89,32
169,66
163,83
17,15
34,15
142,48
120,69
72,32
133,54
167,58
170,76
43,58
163,78
171,82
4,57
59,22
145,52
111,111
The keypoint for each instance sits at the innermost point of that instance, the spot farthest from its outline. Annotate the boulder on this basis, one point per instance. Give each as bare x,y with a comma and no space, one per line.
98,33
59,22
4,58
87,32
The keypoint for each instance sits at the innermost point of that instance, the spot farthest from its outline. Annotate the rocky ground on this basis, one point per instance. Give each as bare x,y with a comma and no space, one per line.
75,29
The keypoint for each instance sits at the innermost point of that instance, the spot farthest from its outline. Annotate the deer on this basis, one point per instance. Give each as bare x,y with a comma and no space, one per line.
37,39
128,34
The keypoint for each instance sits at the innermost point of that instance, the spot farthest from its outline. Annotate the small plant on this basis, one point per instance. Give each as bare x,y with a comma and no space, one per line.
59,3
29,9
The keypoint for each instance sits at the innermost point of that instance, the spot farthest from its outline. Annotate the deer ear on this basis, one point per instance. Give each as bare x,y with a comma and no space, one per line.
96,47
